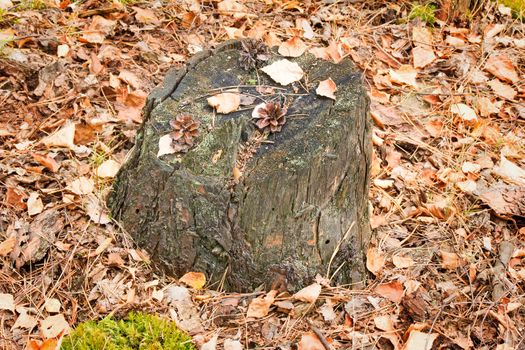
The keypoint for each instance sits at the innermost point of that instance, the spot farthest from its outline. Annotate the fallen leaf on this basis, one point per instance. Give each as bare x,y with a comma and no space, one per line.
392,291
130,78
230,344
81,186
327,311
384,323
7,302
505,200
210,344
25,321
96,210
402,262
502,89
284,72
422,56
46,161
260,306
7,246
385,115
405,74
420,341
129,105
195,280
293,47
308,294
375,261
466,113
62,50
34,204
502,67
98,29
310,341
326,88
510,171
145,16
232,8
53,326
105,244
486,107
64,137
166,146
108,169
422,36
225,103
450,261
52,305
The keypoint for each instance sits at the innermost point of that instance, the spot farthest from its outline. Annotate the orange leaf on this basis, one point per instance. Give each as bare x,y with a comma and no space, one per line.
46,161
309,341
374,260
195,280
392,291
259,307
293,47
501,66
327,88
226,102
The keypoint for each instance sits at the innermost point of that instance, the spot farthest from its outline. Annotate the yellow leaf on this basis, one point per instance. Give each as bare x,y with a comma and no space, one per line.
195,280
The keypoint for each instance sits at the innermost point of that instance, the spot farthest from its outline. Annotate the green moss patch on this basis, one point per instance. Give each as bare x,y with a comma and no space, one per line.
138,331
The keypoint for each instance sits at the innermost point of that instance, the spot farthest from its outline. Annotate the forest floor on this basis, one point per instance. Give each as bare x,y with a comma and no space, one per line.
447,189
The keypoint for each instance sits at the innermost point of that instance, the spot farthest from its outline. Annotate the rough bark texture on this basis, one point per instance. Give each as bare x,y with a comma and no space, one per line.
300,207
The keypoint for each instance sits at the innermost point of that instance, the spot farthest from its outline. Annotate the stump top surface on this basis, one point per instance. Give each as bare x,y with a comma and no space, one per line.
219,72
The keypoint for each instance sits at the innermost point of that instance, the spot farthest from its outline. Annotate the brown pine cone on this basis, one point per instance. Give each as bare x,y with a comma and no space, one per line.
270,116
185,129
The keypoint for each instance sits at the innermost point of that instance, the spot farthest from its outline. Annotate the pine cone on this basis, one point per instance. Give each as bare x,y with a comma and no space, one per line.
185,129
270,116
253,52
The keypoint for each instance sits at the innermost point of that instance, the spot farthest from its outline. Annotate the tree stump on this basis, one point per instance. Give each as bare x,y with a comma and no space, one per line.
248,210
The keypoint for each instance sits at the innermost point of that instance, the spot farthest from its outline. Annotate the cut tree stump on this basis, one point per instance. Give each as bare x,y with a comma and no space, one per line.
244,209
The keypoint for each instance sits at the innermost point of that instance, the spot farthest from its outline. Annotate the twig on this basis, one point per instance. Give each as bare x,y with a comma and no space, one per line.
319,335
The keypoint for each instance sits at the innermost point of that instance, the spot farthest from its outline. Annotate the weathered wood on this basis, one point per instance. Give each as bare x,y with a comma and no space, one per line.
300,207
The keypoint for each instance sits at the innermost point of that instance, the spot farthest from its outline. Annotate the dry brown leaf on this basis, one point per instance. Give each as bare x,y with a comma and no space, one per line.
450,261
510,171
293,47
502,89
145,16
232,8
375,261
64,137
81,186
7,246
52,305
423,56
101,247
96,210
420,341
7,302
422,36
505,200
466,113
46,161
25,321
53,326
501,66
130,78
166,146
129,105
384,116
392,291
260,306
34,204
405,74
309,294
402,262
225,103
98,29
486,107
195,280
326,88
284,72
108,169
309,341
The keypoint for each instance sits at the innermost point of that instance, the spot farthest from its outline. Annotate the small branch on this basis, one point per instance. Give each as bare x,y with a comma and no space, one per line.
320,335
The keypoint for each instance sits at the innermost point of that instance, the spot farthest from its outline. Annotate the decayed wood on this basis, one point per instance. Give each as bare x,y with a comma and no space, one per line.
300,206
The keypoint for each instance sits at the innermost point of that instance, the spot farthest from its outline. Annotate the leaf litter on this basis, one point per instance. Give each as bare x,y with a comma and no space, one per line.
447,265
